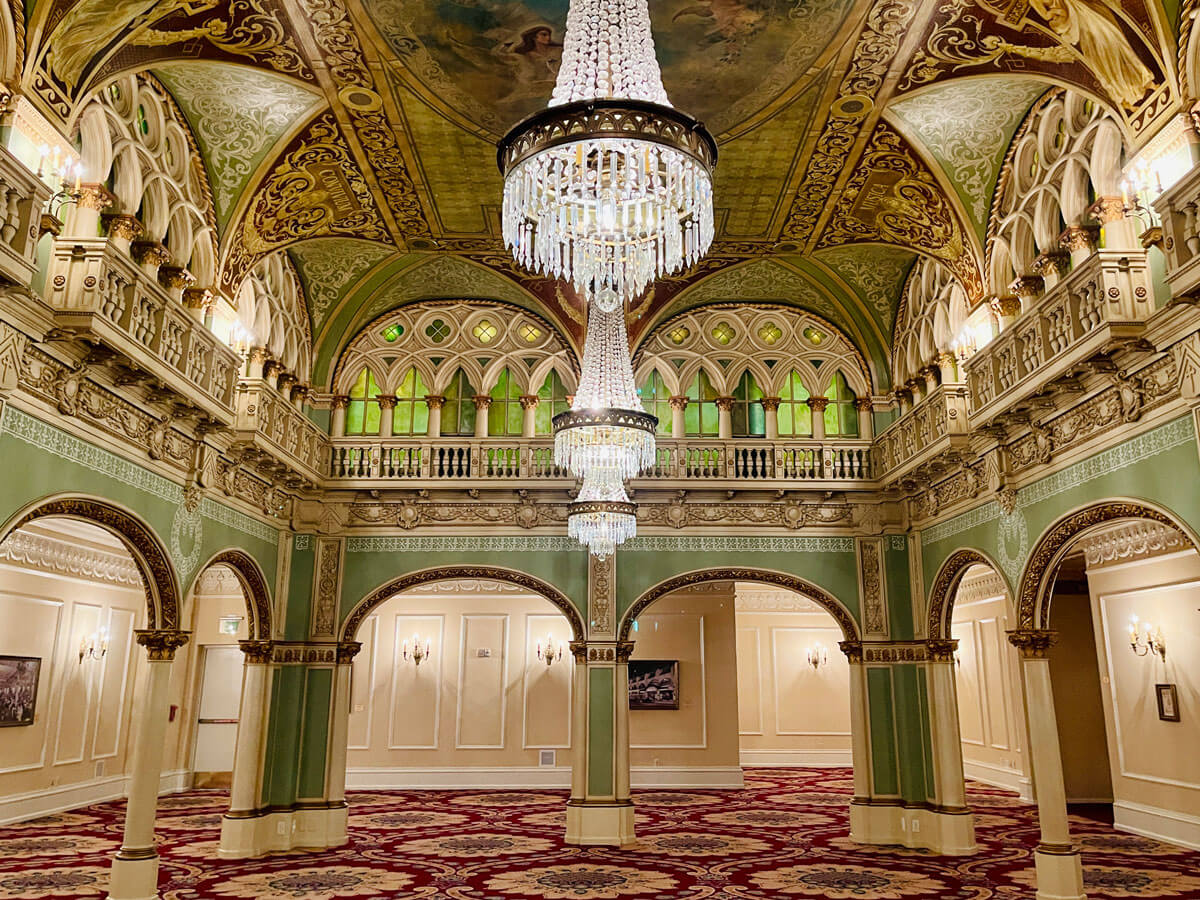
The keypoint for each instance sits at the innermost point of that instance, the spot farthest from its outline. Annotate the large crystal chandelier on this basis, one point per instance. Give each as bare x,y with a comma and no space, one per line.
609,187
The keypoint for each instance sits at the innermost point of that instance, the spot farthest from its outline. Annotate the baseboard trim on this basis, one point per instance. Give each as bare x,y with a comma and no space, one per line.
60,798
719,777
997,776
795,758
530,777
1161,824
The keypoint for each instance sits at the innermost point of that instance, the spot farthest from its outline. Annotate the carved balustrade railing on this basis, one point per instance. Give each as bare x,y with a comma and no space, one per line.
272,427
1099,309
774,463
98,294
22,197
936,424
1179,208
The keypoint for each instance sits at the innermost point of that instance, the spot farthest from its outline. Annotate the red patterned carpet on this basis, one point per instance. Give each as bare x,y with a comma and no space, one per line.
781,837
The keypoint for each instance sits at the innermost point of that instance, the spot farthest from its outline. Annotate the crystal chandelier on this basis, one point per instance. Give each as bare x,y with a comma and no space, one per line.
602,516
609,187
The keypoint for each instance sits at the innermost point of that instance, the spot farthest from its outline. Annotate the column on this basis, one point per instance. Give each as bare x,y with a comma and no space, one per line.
724,418
600,811
529,403
256,362
387,413
1119,230
1027,289
239,838
84,218
300,395
949,785
337,426
199,302
770,407
678,425
135,867
860,752
948,365
175,280
916,387
1079,241
866,418
482,404
335,765
1007,309
123,230
435,404
931,375
904,398
1059,873
817,407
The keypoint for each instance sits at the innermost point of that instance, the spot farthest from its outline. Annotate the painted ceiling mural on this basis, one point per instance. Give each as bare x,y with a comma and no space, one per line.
856,135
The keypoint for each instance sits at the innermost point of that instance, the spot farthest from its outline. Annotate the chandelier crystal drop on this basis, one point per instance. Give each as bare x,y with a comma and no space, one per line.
602,516
609,187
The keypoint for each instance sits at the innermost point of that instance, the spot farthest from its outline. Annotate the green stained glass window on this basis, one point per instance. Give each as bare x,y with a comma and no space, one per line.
552,400
458,412
485,332
656,400
362,414
841,416
412,412
437,331
748,417
679,335
529,332
723,333
794,416
505,415
392,333
142,124
770,333
700,417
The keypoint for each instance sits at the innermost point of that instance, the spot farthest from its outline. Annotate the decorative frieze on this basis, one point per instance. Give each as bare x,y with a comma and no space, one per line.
63,558
871,585
327,586
601,600
1130,541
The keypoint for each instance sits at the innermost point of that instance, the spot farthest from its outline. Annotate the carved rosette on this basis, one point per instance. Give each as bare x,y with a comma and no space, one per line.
1032,643
256,653
161,645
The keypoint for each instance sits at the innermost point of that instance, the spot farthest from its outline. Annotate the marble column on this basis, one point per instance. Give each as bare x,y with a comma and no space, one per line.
529,404
866,418
724,418
239,838
678,425
387,414
770,407
482,404
950,790
338,404
1056,859
817,406
435,404
135,867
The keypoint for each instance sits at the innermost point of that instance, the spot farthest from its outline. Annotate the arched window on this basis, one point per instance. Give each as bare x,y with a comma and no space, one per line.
552,400
656,400
841,416
505,415
749,417
794,416
700,417
412,412
458,412
362,415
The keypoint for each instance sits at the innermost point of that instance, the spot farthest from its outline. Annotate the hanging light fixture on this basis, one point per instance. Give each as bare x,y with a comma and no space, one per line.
609,187
602,516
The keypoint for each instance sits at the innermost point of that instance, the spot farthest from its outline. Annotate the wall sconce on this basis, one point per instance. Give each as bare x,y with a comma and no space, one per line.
416,650
93,646
1149,640
550,652
817,656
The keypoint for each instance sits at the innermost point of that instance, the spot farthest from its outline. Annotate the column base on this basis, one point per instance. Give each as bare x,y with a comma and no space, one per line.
134,879
600,824
1059,875
950,833
277,831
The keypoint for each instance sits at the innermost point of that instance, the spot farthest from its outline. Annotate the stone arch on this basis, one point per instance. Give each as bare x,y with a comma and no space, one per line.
254,586
148,552
818,595
945,586
450,573
1037,579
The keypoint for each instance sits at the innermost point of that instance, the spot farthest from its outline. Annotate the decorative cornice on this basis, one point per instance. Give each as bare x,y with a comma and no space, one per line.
61,557
1129,541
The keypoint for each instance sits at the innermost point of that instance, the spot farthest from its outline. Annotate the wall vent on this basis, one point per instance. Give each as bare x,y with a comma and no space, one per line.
99,769
547,757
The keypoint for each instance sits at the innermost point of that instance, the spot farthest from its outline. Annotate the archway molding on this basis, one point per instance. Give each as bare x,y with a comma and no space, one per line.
452,573
254,588
1037,579
818,595
149,553
945,588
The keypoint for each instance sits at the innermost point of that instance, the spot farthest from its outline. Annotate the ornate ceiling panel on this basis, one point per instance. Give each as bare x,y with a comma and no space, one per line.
875,272
329,267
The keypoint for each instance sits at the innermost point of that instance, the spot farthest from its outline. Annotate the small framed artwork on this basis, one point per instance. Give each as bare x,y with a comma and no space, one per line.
1168,702
654,684
18,689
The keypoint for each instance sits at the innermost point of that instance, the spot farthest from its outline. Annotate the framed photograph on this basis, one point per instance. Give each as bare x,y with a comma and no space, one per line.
654,684
1168,702
18,689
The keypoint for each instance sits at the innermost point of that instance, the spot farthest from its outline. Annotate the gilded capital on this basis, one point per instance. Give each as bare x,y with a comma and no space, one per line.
95,196
175,277
339,401
161,645
150,253
770,404
817,404
1079,237
482,401
199,298
435,401
1032,643
724,403
864,404
624,651
853,650
346,651
1007,306
528,401
256,653
678,404
1052,262
386,401
939,650
1107,209
125,227
1028,287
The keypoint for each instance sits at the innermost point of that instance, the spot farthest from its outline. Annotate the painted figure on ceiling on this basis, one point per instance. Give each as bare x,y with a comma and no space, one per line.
88,28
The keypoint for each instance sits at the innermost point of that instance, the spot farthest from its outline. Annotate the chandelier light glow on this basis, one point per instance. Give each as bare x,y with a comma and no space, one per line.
602,516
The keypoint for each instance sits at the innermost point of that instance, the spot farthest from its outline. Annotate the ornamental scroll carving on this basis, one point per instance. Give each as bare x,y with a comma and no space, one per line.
326,586
945,587
254,587
870,566
601,602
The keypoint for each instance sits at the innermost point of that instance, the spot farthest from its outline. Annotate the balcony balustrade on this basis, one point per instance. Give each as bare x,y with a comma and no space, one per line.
937,424
101,296
833,463
1098,309
22,196
273,427
1179,208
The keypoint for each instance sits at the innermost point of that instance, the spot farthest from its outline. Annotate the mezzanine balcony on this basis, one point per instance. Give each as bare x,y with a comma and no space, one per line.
272,430
22,197
1099,309
1179,207
526,462
936,425
100,296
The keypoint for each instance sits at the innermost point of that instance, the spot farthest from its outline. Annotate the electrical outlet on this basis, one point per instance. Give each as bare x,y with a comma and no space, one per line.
916,825
281,827
483,652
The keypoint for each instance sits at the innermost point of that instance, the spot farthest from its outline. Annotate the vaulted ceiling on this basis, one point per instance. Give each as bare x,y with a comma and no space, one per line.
359,135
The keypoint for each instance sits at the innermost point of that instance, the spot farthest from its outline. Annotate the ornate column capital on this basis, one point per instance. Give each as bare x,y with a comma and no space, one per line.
853,650
386,401
1107,209
435,401
1007,306
123,226
1028,287
339,401
1079,237
199,298
271,368
257,653
346,651
150,253
1032,643
864,404
161,645
578,650
725,404
679,404
818,404
95,197
482,401
528,401
300,392
902,394
175,278
1052,262
624,651
770,404
941,650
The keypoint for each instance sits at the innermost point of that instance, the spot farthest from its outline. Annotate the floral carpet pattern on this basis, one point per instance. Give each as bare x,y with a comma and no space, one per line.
782,838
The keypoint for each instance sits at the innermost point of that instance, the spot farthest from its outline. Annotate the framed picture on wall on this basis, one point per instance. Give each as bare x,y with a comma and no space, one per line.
654,684
1168,702
18,689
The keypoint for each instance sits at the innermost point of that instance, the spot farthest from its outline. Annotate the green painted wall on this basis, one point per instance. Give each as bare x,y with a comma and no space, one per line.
911,709
300,587
899,588
318,698
884,754
601,699
283,736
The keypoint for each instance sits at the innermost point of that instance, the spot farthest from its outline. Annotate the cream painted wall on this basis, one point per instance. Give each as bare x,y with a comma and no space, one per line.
991,712
789,713
482,700
1155,764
